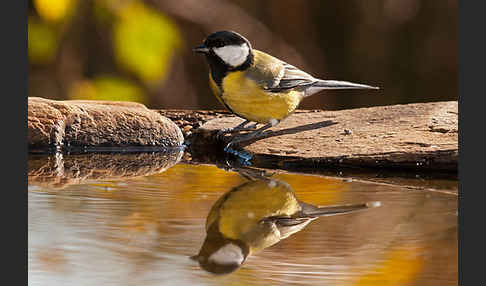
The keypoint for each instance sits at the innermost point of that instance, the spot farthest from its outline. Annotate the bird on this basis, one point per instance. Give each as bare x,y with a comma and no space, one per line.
256,86
253,216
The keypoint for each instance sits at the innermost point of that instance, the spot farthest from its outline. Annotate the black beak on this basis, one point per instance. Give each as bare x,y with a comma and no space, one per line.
201,49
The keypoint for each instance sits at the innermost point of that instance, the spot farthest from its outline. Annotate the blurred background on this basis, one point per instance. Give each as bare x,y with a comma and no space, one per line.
141,50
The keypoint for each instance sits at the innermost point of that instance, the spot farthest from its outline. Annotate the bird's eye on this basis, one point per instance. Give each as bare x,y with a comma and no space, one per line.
215,43
218,44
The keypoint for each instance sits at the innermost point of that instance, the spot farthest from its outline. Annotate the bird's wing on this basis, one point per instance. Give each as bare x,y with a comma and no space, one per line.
275,75
292,78
288,225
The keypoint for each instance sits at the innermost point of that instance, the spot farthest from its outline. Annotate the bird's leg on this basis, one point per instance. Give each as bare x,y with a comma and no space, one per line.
234,129
238,128
249,127
252,135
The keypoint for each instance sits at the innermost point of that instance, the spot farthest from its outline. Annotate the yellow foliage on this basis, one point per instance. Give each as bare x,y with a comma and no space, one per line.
54,10
200,179
138,221
145,41
42,42
208,178
316,190
400,268
107,88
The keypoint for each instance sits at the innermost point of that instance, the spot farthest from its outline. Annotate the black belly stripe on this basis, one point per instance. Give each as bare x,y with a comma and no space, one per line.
226,105
219,70
220,95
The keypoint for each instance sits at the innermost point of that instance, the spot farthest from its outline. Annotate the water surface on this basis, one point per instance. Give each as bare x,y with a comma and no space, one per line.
142,228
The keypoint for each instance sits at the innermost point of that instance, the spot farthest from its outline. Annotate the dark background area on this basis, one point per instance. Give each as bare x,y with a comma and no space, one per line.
141,50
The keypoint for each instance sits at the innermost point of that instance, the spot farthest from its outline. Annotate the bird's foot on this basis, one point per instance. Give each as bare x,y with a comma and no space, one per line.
242,156
255,134
222,132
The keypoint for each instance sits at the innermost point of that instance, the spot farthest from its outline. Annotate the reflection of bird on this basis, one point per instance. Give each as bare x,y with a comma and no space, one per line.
254,216
255,85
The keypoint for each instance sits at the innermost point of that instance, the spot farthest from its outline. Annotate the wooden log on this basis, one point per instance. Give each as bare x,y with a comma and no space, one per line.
419,136
71,124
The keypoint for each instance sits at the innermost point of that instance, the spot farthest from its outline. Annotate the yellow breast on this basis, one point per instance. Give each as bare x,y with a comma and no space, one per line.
248,100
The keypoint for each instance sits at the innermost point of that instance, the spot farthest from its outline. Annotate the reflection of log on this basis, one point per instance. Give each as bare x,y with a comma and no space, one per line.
60,171
421,136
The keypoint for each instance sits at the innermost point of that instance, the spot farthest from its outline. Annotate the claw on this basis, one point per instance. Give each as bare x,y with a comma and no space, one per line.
251,127
222,132
243,156
228,148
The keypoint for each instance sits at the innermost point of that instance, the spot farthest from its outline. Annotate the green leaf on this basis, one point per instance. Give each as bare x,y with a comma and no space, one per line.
145,42
42,42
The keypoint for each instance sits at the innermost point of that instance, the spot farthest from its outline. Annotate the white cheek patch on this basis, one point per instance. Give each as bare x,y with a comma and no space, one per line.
228,254
233,55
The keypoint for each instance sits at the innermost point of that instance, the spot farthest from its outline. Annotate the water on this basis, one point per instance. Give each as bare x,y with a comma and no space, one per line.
90,225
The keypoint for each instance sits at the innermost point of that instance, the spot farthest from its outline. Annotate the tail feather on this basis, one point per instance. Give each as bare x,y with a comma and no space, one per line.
334,84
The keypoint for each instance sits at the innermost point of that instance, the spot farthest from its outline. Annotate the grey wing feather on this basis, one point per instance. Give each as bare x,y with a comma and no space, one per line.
275,75
288,225
293,77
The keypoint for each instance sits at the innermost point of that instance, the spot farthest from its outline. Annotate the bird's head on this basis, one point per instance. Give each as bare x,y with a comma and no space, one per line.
221,260
228,48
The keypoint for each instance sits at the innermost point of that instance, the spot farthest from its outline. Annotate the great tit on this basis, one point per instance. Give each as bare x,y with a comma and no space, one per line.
254,216
257,86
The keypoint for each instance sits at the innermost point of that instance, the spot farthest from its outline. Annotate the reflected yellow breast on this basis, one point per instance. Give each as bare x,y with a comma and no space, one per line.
248,100
252,202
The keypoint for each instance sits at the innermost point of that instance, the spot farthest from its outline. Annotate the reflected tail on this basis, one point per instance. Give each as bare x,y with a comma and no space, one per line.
314,211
